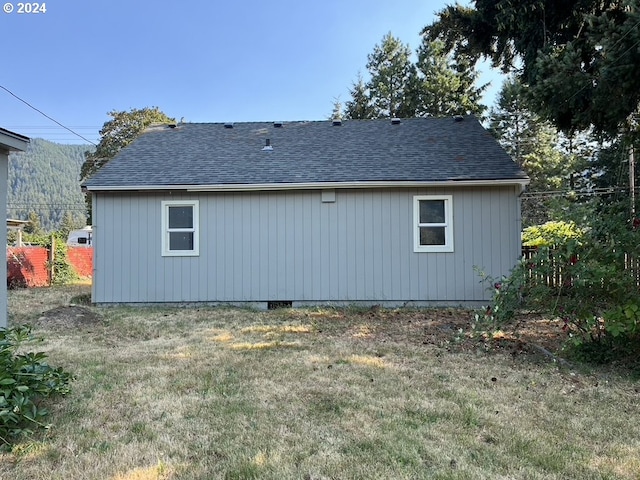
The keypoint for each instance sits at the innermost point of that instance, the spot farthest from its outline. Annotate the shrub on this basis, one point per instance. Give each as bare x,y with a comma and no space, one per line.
551,234
585,276
25,380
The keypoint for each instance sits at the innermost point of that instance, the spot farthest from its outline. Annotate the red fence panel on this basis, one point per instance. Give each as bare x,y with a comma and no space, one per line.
27,267
81,259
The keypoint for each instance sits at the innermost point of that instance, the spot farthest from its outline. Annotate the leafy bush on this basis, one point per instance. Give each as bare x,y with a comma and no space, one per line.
586,276
550,234
25,380
63,271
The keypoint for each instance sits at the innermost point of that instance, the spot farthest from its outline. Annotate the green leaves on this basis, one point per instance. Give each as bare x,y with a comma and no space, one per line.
118,133
580,59
26,379
584,275
551,234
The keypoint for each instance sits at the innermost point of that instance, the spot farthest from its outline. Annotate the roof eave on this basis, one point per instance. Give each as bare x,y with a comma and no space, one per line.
12,141
243,187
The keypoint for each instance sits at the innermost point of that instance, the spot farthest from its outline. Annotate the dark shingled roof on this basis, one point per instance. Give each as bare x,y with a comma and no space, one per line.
416,150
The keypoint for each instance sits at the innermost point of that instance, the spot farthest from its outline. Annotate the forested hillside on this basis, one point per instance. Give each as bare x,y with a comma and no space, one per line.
46,180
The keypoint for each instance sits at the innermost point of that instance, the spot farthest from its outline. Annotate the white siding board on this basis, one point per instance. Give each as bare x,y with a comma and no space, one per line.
259,246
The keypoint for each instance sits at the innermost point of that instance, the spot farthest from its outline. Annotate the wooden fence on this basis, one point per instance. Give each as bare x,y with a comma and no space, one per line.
554,273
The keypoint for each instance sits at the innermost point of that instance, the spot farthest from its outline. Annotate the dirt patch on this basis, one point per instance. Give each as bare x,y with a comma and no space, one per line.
452,329
70,316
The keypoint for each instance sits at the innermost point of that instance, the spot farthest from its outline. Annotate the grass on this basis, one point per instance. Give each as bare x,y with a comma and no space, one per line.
314,394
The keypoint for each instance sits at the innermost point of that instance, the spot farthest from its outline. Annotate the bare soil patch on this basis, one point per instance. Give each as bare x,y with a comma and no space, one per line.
70,316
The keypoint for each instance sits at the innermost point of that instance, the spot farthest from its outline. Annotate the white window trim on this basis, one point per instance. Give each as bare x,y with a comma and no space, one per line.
165,228
448,224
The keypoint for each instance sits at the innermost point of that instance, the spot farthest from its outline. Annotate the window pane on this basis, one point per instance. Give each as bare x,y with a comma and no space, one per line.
181,241
181,217
432,236
431,211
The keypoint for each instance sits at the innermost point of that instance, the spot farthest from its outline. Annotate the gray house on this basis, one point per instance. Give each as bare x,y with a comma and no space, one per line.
360,211
9,142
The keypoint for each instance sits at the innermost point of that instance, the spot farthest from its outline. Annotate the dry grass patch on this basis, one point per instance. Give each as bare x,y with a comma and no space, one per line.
264,345
298,394
159,472
281,329
368,361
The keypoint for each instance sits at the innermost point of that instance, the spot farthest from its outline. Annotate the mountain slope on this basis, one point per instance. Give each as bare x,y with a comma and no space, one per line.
46,179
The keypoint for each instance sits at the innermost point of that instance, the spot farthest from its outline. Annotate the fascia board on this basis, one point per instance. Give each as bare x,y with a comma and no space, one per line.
237,187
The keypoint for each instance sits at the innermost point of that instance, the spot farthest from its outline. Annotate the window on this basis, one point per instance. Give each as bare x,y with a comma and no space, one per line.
433,223
180,228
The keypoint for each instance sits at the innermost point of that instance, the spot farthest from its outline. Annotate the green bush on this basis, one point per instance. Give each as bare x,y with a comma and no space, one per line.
551,233
25,380
586,276
63,271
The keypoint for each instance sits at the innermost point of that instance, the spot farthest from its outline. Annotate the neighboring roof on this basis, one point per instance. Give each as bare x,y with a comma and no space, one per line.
11,223
11,141
362,152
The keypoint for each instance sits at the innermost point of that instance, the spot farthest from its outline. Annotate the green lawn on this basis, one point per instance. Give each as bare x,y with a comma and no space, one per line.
205,393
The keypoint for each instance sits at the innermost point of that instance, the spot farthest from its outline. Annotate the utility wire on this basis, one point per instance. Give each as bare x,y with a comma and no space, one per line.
45,115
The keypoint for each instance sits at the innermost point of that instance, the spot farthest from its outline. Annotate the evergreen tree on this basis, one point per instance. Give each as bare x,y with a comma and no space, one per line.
336,112
538,148
447,86
392,87
580,60
437,85
69,222
34,224
360,106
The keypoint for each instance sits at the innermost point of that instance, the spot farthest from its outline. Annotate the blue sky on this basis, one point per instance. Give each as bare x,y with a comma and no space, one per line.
206,61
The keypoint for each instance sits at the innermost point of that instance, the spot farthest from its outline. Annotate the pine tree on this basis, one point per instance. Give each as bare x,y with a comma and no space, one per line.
437,85
447,86
393,79
69,222
34,224
359,107
536,145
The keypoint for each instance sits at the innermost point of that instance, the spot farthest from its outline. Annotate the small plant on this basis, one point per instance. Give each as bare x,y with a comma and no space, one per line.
25,380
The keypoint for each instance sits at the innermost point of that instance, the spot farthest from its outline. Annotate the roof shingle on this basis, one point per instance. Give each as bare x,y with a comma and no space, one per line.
416,150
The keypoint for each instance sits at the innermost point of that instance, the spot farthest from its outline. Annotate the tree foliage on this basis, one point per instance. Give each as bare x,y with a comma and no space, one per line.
580,59
437,84
359,106
119,132
447,85
393,79
552,160
586,276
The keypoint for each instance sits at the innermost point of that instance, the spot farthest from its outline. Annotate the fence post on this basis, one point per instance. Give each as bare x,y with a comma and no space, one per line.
52,257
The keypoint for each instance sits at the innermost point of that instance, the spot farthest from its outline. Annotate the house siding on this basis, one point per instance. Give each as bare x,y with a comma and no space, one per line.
290,246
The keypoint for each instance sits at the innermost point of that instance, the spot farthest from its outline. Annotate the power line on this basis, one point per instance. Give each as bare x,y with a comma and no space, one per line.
45,115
